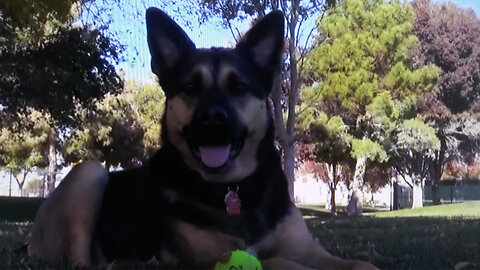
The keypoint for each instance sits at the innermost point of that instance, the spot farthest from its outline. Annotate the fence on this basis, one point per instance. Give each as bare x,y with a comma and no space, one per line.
452,191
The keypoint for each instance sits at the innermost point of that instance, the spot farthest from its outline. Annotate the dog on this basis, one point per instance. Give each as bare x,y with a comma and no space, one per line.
216,184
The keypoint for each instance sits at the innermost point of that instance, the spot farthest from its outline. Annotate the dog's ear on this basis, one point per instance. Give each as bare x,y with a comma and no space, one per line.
166,40
264,42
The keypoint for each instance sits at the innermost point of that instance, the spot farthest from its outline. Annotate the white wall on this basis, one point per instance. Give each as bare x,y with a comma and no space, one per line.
309,190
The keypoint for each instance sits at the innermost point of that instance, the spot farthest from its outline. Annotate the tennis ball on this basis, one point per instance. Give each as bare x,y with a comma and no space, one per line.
240,260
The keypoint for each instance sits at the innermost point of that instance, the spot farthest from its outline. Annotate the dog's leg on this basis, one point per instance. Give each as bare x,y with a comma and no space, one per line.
320,259
292,241
281,263
332,262
65,223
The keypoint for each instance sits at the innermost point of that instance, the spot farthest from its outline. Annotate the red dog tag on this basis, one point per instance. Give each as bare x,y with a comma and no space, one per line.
233,202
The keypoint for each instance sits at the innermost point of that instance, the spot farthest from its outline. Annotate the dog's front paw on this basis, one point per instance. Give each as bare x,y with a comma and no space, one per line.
361,265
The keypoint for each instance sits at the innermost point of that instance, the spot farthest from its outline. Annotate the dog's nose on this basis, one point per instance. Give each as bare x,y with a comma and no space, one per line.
214,116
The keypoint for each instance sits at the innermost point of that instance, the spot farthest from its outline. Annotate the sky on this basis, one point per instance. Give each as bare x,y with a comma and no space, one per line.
129,24
473,4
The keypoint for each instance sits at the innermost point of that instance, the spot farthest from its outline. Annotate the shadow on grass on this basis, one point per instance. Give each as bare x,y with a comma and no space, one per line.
17,209
399,243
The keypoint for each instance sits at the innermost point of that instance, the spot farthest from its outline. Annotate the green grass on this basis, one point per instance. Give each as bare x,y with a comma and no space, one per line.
435,237
467,209
402,243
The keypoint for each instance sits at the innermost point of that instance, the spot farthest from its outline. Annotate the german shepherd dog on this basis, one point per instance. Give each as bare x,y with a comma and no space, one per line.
216,184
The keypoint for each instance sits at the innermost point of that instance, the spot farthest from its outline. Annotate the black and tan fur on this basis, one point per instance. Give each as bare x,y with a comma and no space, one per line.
172,208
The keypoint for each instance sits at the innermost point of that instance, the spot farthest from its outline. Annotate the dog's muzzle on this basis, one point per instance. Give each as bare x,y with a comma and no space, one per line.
215,138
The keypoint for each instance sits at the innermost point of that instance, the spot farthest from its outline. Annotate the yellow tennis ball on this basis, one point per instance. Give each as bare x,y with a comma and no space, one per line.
240,260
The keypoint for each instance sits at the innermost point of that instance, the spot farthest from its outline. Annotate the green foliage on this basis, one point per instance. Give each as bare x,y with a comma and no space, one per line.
330,143
73,66
306,110
359,72
369,149
413,135
49,65
24,140
122,129
150,101
405,83
363,53
29,21
414,144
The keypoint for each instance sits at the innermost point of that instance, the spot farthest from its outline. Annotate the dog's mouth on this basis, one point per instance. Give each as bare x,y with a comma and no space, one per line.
216,158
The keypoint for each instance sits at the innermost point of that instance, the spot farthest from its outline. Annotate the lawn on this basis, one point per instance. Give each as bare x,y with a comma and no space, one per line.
434,237
466,209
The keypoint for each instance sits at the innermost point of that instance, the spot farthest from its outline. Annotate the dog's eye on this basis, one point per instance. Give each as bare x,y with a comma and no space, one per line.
239,89
189,89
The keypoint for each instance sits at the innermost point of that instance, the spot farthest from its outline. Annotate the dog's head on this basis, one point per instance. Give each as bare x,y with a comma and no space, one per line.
217,112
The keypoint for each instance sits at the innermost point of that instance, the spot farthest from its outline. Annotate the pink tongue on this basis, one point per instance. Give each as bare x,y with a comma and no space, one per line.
214,156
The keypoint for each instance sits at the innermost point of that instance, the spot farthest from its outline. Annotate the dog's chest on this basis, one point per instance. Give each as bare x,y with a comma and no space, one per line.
203,233
201,246
249,224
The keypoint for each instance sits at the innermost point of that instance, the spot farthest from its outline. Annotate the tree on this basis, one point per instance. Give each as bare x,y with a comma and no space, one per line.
415,145
358,70
331,174
149,101
29,21
449,37
377,175
326,151
122,130
71,67
48,65
24,142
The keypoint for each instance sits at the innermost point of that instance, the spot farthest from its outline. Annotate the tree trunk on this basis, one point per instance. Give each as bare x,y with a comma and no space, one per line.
417,193
283,135
356,196
289,166
436,170
333,171
21,183
289,158
396,199
333,204
436,174
52,169
436,193
10,188
286,132
354,207
44,181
